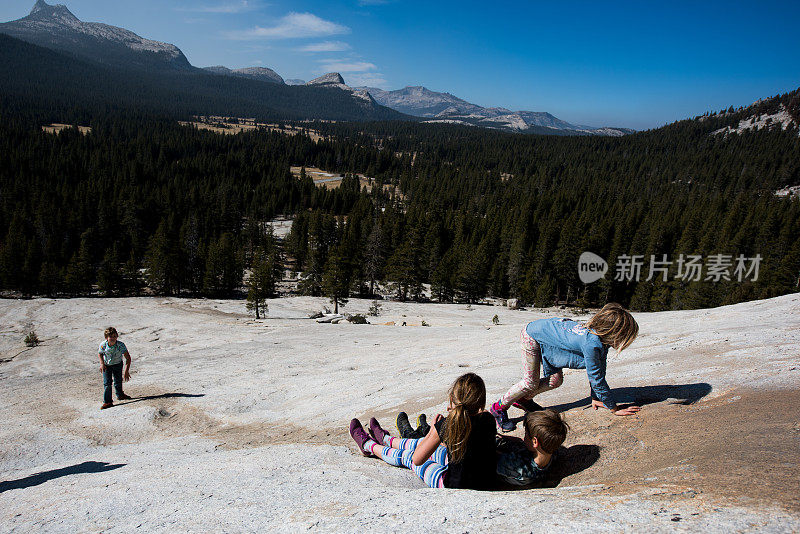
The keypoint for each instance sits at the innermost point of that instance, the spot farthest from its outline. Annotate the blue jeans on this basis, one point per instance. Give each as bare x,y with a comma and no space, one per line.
115,372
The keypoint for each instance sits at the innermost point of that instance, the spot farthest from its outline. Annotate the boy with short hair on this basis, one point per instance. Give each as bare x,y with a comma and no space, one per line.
524,462
111,352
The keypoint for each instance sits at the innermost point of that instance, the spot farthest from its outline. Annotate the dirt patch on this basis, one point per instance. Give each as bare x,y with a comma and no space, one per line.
743,445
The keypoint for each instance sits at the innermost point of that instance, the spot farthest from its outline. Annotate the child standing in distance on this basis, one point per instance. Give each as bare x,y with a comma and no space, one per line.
556,343
457,452
111,352
527,461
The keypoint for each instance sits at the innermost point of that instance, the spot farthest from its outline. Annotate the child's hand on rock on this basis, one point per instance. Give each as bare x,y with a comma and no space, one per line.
626,410
597,404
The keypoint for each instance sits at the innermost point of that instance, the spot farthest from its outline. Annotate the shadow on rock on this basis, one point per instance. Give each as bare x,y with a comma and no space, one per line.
683,394
44,476
163,396
569,461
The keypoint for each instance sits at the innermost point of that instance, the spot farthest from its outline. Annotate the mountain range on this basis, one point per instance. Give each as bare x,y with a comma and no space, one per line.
444,107
56,28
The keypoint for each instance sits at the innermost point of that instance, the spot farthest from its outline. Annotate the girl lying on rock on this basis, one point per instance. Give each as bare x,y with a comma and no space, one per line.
557,343
457,452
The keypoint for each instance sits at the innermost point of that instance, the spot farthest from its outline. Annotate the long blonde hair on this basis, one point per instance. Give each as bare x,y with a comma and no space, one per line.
467,397
615,326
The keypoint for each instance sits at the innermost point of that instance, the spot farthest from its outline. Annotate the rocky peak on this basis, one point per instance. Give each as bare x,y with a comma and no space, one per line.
42,9
332,78
260,73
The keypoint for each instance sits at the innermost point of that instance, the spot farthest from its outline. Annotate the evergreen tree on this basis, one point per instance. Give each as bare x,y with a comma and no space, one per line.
336,278
161,262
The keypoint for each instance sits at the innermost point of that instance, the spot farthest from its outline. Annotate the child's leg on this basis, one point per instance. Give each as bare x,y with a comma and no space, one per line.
429,472
116,370
394,451
107,379
531,362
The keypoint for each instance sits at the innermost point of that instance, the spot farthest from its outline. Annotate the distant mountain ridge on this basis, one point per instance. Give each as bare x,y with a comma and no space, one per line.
154,72
335,80
445,107
54,26
256,73
37,77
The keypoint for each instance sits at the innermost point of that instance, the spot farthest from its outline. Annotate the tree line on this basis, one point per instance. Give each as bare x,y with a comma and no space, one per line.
143,204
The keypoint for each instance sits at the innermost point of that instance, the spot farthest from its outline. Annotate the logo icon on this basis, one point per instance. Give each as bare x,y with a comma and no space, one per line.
591,267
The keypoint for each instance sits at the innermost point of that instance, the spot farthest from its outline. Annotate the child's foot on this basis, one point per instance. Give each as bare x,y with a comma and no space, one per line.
359,435
378,434
422,426
124,397
106,405
528,405
403,426
501,416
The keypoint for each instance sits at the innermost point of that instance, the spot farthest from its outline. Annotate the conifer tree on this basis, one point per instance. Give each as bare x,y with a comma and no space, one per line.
336,278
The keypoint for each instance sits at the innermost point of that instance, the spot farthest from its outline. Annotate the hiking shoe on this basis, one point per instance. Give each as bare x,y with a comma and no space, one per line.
359,435
501,417
106,405
403,426
422,426
528,405
124,397
378,434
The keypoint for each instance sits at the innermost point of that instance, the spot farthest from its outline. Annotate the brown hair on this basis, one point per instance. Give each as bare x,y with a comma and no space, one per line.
614,325
548,427
468,397
110,331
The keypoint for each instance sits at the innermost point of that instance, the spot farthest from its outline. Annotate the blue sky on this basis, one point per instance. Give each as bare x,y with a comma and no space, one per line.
637,64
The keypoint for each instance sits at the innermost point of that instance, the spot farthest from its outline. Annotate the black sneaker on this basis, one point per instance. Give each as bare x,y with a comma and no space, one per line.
404,428
422,425
124,397
528,405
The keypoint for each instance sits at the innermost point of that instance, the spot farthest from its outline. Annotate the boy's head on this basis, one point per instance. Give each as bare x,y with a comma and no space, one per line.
111,332
615,326
547,428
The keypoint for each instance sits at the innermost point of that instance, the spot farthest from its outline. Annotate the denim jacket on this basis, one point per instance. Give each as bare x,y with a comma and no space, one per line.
568,344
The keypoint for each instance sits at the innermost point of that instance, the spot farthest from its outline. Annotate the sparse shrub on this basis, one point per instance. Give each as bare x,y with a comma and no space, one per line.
374,309
495,319
31,339
357,319
469,307
424,323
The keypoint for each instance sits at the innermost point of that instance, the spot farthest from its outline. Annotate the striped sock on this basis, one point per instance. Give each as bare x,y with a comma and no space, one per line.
404,444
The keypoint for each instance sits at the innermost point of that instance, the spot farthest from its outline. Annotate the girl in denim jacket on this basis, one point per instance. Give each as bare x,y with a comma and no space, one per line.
557,343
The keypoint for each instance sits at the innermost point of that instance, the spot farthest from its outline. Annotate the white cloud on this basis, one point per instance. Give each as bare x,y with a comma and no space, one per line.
292,26
231,7
343,66
371,79
356,73
325,46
